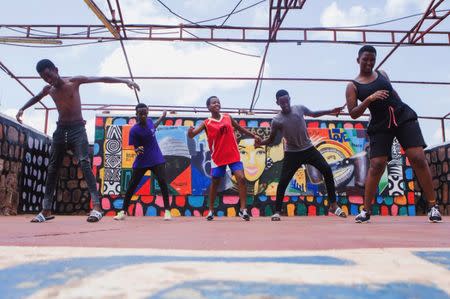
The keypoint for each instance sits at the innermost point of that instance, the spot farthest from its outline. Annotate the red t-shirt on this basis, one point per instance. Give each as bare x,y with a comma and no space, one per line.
222,141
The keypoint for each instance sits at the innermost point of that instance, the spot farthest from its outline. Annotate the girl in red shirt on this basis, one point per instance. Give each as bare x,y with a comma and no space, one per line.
224,151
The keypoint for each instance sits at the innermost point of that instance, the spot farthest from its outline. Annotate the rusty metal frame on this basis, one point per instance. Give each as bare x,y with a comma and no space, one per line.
11,74
430,13
117,33
150,32
307,79
202,109
275,21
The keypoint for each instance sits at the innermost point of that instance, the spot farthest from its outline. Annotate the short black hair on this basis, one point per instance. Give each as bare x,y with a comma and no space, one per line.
367,48
208,101
280,93
44,64
140,105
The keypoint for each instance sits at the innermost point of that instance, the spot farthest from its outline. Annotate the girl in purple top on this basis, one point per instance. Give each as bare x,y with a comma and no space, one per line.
149,157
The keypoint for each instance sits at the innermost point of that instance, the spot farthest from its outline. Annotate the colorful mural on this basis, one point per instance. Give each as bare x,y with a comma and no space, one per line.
24,157
342,143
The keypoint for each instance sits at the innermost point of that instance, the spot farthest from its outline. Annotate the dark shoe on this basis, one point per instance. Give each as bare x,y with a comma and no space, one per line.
210,216
434,215
244,215
363,217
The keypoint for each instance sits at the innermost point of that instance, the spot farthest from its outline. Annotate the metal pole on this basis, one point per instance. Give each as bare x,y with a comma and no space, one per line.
443,129
46,121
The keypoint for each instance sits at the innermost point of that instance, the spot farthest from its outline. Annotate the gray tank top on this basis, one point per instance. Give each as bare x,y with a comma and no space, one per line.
293,128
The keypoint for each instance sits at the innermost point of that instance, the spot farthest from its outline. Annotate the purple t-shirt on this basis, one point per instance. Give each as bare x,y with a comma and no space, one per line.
145,136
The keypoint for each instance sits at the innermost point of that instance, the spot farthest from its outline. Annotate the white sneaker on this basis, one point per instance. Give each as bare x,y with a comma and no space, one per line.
276,217
244,215
210,216
120,216
338,212
167,215
434,215
362,217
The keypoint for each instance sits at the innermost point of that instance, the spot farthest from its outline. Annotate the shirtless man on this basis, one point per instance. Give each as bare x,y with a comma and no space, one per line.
70,132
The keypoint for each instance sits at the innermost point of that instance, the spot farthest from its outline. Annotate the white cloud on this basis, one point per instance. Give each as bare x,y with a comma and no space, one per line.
401,7
138,11
335,16
90,129
34,118
260,16
437,136
176,59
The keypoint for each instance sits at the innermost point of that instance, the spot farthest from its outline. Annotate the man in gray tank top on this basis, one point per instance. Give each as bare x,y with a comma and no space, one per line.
299,148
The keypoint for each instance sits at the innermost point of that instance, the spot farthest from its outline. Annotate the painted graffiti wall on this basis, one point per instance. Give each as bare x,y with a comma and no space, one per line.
342,143
24,158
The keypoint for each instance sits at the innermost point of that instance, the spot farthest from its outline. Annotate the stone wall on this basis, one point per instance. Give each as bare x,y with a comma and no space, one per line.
72,195
11,156
24,157
438,158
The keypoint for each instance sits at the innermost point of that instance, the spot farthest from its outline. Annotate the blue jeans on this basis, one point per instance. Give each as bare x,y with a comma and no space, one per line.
69,137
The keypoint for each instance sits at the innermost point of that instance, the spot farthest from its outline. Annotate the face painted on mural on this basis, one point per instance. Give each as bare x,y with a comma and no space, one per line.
253,158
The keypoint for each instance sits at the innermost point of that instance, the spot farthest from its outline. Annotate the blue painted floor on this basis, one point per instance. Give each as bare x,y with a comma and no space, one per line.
44,272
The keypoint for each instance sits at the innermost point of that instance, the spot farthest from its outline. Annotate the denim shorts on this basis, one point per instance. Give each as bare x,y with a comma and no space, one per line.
219,171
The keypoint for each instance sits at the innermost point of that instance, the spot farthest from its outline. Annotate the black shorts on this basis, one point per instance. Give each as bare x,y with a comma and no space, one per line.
408,135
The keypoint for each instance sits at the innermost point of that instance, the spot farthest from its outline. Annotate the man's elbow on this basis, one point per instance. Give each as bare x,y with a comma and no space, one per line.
354,115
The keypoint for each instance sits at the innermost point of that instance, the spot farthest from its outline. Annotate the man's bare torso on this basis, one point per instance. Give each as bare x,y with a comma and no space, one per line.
67,101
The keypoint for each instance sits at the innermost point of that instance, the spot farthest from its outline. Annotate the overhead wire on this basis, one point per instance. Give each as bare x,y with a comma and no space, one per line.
237,11
209,43
232,12
378,23
223,48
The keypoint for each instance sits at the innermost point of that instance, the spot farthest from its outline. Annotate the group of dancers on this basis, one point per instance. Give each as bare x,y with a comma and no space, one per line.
390,117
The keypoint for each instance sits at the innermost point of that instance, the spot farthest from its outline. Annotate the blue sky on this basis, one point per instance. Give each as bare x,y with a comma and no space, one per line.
200,59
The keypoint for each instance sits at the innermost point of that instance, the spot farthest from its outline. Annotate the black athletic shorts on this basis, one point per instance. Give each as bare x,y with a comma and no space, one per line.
408,135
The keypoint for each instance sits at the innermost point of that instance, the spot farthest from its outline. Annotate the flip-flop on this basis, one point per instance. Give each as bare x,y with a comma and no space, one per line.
39,218
94,216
